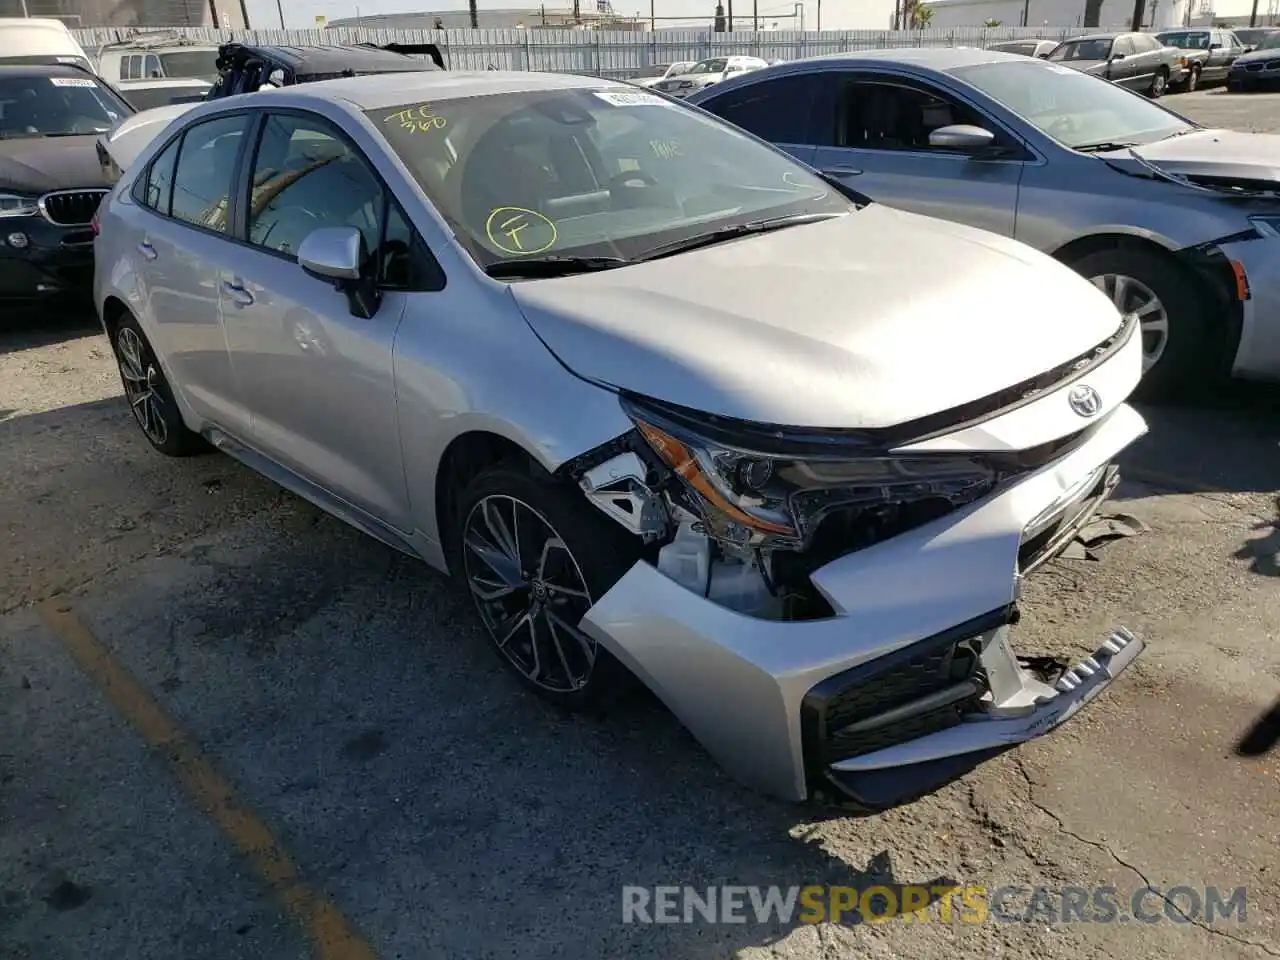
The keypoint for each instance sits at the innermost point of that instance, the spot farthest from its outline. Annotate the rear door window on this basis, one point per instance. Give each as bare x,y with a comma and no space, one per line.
206,165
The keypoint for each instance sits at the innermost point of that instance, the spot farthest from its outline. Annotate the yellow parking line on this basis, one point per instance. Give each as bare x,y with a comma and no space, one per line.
332,936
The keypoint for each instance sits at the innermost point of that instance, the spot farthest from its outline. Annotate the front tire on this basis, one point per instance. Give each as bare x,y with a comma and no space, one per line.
535,556
1170,309
149,395
1159,84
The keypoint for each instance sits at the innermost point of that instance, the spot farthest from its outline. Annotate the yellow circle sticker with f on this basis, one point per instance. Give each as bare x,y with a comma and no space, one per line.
520,232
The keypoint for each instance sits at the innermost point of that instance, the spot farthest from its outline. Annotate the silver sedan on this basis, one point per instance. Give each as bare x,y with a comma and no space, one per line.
672,407
1178,224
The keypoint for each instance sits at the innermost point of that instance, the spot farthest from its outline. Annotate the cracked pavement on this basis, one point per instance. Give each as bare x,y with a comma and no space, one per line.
345,692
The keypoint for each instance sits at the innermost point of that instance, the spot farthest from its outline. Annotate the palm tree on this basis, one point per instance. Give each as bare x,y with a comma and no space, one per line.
915,15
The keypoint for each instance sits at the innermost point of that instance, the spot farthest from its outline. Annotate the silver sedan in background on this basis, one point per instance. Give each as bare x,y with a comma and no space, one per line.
1177,223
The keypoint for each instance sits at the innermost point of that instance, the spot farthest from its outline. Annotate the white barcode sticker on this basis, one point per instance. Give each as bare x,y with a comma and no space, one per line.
627,98
72,82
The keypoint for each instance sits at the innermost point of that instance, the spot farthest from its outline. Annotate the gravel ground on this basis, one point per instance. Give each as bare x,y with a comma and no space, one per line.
344,694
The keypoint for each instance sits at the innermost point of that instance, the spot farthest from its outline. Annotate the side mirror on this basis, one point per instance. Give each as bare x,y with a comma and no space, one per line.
1116,56
338,255
1215,46
962,136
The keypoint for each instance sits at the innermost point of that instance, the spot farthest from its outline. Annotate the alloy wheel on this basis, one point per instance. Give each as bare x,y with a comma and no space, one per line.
1134,297
1193,81
1157,85
141,385
530,593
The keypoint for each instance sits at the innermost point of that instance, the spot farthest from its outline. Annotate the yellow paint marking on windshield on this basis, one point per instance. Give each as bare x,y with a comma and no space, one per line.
417,119
519,231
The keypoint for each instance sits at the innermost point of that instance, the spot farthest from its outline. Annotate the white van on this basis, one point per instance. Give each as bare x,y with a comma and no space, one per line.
40,40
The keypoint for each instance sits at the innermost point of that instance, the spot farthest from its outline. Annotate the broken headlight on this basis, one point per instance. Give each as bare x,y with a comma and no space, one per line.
779,500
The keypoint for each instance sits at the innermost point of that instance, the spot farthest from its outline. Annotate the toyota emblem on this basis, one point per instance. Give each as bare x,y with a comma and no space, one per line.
1084,400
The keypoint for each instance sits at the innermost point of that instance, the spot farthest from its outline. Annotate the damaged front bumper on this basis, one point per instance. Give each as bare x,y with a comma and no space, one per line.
1258,266
912,681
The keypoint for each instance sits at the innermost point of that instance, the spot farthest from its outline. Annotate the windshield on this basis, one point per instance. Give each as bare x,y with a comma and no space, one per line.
34,59
1185,41
591,172
56,107
147,98
1096,49
1073,108
655,70
191,63
710,66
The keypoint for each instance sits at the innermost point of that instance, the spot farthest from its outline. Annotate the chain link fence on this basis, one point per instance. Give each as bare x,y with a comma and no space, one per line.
605,53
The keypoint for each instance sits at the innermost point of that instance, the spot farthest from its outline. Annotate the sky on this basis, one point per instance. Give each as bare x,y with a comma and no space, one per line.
836,14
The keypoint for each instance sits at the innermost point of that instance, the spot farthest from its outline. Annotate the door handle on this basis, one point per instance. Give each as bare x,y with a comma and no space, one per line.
841,171
238,294
147,250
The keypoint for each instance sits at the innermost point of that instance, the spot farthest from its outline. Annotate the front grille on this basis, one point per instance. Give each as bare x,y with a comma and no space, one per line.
1046,538
1266,65
917,690
71,208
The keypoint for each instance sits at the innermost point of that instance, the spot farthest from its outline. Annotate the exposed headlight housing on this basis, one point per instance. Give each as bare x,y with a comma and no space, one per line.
16,205
779,499
1267,226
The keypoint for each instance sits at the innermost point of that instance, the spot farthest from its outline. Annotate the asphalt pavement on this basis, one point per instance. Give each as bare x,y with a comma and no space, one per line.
232,727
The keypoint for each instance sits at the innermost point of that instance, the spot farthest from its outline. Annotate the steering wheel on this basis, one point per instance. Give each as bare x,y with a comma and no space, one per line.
1064,126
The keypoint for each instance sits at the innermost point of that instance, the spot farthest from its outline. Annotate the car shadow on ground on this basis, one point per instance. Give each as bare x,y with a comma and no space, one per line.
27,329
1228,443
351,698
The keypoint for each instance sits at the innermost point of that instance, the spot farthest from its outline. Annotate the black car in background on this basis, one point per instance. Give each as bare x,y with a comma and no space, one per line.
1259,70
50,179
1205,53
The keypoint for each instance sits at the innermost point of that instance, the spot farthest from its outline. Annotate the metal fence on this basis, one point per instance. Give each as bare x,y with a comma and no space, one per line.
606,53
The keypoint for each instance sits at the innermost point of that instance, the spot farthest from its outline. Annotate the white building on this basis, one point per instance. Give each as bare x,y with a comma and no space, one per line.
1102,14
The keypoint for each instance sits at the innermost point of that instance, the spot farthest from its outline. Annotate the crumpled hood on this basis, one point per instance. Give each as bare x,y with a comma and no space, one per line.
36,165
868,320
1209,153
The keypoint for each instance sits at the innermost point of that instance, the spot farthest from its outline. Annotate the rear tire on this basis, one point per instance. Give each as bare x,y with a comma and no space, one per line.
535,556
149,395
1128,276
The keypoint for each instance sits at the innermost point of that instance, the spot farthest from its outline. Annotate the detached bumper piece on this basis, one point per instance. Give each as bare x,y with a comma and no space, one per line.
932,718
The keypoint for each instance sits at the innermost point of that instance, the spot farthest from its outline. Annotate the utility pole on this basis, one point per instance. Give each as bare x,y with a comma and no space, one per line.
280,10
653,19
475,14
1139,9
819,16
755,16
1026,11
1253,14
730,12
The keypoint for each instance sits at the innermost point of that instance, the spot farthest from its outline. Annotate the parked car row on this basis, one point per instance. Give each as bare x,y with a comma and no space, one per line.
1172,60
760,395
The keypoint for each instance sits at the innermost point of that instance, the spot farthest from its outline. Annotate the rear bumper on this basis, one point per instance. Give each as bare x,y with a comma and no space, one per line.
914,668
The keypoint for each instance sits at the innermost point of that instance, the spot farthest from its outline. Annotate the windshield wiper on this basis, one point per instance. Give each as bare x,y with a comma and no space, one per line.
732,232
1104,146
533,268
